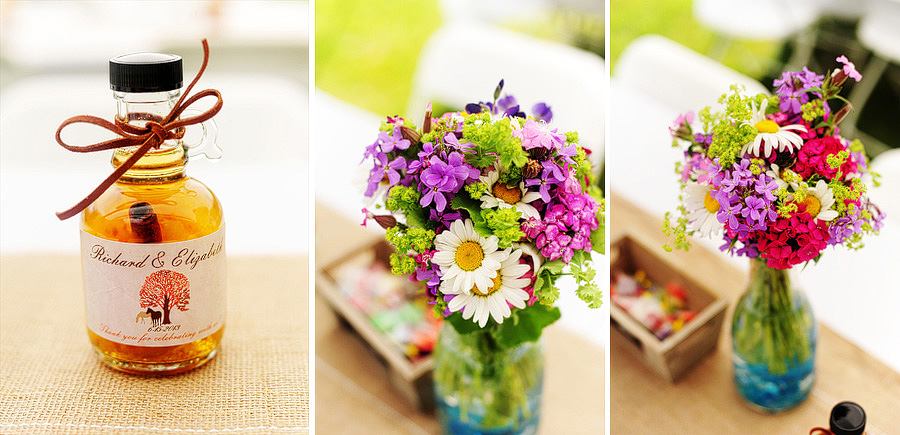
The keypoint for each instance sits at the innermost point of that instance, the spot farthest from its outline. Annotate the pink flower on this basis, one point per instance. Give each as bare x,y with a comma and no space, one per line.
813,158
849,68
538,134
791,241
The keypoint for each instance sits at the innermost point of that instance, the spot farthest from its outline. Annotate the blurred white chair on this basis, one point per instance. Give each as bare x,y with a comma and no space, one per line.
462,63
760,20
879,31
887,195
677,76
596,7
492,11
842,8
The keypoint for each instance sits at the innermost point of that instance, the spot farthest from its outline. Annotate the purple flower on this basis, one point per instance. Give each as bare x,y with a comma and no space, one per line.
392,142
545,186
473,108
383,168
445,217
444,177
423,161
749,250
757,210
700,138
509,106
542,112
451,140
553,172
766,186
728,214
434,195
567,152
792,87
741,173
728,183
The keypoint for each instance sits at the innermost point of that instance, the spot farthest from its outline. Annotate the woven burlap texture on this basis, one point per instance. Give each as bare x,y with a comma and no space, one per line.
51,381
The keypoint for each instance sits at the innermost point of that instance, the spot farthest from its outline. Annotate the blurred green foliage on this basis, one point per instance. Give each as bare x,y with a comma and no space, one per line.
674,19
366,51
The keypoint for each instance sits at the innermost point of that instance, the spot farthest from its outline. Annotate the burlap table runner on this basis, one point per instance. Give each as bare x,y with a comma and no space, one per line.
51,381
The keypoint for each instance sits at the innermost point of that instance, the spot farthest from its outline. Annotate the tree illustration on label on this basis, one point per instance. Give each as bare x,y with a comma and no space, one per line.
166,289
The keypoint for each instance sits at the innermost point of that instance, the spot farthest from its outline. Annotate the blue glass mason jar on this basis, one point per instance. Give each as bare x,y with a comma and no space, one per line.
773,334
482,388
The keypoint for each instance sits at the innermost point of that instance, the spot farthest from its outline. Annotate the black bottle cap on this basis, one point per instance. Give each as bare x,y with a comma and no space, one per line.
848,418
145,72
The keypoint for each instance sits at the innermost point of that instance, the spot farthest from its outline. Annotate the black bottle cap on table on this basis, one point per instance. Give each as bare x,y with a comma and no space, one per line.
848,418
145,72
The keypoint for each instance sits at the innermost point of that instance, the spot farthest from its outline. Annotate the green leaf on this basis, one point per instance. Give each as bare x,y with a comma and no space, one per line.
539,283
479,159
483,229
415,217
461,325
590,294
598,236
473,207
526,325
554,267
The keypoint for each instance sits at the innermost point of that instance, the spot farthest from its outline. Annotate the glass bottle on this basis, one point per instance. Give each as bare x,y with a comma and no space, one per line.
153,244
773,335
847,418
482,388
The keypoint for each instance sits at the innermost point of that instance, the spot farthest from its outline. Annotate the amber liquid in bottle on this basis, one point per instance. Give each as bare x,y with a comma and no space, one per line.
184,209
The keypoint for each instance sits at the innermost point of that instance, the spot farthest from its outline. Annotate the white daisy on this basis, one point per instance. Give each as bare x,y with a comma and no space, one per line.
771,134
528,249
466,259
507,288
702,209
818,202
504,196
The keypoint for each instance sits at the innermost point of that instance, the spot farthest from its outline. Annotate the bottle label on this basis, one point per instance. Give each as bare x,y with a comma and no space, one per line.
154,294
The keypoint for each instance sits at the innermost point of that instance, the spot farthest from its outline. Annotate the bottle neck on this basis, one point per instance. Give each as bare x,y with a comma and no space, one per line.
162,164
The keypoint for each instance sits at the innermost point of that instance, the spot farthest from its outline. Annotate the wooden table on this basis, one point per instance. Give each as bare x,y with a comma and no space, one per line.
706,401
354,395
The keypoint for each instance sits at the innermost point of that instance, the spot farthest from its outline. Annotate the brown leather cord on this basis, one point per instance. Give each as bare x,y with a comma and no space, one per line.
151,135
820,431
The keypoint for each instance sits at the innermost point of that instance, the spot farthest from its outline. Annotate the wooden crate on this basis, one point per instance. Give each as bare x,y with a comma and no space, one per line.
411,379
674,356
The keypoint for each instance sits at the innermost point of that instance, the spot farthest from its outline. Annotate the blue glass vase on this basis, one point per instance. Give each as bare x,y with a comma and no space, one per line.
773,334
482,388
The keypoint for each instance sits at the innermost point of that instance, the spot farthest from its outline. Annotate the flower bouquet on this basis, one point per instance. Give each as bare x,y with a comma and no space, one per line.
772,176
487,208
